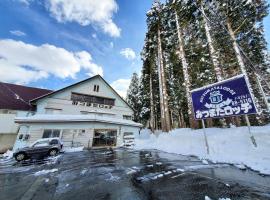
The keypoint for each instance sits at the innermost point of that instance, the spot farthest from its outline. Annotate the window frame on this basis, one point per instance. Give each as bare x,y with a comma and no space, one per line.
52,133
78,98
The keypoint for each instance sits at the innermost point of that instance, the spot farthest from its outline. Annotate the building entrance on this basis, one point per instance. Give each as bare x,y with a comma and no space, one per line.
104,137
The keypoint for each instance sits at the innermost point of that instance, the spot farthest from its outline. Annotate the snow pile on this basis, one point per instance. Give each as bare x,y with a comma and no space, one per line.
73,149
8,154
112,178
208,198
231,145
43,172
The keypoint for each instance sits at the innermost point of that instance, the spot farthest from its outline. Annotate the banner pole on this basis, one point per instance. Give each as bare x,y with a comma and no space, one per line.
205,138
249,131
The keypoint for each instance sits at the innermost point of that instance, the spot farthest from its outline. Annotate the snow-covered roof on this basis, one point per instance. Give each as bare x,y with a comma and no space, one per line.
42,118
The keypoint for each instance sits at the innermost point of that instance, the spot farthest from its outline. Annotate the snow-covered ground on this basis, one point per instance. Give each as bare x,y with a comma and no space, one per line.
73,149
8,154
42,172
231,145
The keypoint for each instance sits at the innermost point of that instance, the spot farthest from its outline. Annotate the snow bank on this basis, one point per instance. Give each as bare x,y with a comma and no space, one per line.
73,149
8,154
231,145
208,198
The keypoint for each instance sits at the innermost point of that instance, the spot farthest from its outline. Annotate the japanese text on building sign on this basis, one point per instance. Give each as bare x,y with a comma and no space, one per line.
226,98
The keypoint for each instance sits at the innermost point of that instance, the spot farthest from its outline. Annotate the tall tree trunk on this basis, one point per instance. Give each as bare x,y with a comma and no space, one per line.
241,63
165,115
184,62
171,117
237,50
239,57
262,92
183,120
152,118
213,53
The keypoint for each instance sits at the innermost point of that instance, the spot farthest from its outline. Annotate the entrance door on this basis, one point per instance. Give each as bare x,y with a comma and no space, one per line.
104,137
68,137
73,137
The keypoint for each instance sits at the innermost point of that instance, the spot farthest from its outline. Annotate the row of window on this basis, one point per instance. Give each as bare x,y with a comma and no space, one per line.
53,133
6,111
75,97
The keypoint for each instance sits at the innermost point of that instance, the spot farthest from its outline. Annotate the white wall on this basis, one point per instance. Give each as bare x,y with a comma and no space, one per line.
61,100
9,129
7,124
36,131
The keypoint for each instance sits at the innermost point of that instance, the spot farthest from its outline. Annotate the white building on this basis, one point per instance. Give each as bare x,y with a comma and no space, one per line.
89,112
14,102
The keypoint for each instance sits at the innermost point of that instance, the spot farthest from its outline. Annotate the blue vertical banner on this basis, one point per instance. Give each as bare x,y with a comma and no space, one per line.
230,97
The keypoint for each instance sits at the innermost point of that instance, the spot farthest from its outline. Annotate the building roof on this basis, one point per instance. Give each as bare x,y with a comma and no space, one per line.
17,97
96,76
41,118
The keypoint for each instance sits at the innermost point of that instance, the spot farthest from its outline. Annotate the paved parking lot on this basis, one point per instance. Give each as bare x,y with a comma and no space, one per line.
127,174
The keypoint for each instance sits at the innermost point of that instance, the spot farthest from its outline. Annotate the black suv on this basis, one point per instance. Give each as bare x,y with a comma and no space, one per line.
40,148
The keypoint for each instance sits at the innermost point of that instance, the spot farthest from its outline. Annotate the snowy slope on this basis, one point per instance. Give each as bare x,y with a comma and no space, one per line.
231,145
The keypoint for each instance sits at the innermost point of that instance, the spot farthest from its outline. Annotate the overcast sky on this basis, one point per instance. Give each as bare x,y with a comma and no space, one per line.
54,43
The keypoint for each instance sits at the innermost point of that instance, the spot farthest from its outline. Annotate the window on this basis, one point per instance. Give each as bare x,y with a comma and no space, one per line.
6,111
81,132
52,142
96,88
105,137
26,137
128,134
41,144
90,99
127,117
51,133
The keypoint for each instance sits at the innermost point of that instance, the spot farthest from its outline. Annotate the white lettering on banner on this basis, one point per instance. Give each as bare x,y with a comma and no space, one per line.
222,108
222,112
78,103
216,88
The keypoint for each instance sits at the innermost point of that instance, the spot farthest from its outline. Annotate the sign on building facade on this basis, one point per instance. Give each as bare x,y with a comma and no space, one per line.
230,97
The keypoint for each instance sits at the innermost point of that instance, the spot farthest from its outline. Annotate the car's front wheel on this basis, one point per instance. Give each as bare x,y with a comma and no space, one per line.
20,157
53,152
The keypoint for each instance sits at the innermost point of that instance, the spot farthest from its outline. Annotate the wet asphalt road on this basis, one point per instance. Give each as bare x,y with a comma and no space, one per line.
127,174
